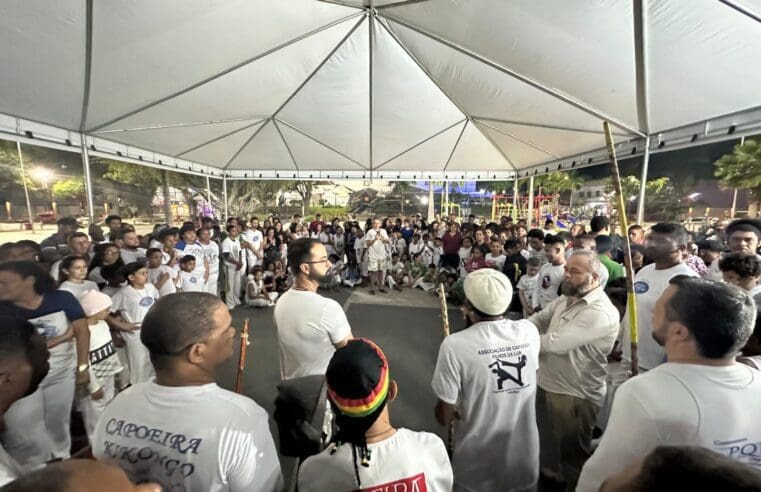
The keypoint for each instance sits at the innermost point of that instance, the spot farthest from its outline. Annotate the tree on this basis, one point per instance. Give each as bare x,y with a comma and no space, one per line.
304,189
663,200
742,169
70,188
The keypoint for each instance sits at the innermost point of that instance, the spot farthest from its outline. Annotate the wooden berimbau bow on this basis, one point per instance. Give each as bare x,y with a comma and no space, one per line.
244,343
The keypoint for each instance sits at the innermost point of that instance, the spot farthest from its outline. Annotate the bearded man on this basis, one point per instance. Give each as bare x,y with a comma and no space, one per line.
309,327
578,330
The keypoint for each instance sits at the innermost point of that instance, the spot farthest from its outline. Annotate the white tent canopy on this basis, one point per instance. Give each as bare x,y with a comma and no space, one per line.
432,89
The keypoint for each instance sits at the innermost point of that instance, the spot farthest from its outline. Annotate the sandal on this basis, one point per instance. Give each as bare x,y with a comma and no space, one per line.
371,292
384,291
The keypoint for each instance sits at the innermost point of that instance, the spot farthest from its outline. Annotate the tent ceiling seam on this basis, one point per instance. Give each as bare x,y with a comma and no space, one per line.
421,142
499,149
179,125
456,143
321,143
542,125
226,71
521,139
743,10
218,138
640,63
399,4
88,65
287,147
342,4
245,144
518,76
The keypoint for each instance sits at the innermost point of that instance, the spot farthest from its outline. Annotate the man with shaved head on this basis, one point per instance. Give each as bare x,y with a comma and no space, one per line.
578,330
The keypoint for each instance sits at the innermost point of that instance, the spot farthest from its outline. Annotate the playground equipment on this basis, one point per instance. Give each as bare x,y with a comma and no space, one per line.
544,205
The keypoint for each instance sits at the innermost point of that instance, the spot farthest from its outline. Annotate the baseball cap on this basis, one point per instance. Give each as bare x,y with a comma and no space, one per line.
489,291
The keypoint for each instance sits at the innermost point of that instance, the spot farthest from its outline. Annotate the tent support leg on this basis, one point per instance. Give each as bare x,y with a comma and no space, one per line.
88,180
530,220
642,184
224,192
515,198
431,205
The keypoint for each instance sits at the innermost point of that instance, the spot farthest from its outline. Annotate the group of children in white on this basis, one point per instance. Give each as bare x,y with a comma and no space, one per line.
113,286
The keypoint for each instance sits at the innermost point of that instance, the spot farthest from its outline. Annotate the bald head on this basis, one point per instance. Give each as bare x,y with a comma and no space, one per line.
586,260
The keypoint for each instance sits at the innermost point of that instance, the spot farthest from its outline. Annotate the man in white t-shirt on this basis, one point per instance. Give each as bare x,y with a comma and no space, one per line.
309,327
578,332
211,253
744,236
552,273
235,266
130,250
372,454
181,430
376,240
664,245
79,245
485,381
253,236
701,396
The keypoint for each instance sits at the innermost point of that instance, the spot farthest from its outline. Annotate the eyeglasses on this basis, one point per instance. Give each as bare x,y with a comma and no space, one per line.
321,260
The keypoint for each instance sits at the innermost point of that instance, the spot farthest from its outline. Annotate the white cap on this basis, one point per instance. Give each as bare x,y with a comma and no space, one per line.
93,302
489,291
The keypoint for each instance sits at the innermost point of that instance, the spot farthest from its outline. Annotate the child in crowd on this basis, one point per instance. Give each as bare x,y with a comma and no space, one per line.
333,275
477,258
168,239
438,251
351,276
417,270
527,286
188,280
257,294
281,277
464,254
162,276
744,271
73,275
104,364
396,273
132,303
495,258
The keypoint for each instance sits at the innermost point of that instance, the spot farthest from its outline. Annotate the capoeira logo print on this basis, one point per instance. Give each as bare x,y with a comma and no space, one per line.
497,367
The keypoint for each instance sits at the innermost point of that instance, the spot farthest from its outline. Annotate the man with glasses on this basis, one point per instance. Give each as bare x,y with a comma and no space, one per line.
309,327
181,430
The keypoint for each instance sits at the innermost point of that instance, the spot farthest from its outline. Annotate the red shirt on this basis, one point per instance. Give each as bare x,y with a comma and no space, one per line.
451,243
473,264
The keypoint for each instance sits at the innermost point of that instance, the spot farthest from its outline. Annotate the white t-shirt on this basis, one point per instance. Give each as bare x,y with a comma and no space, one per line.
232,247
489,372
407,461
377,251
211,252
495,261
189,281
255,238
190,438
195,249
131,255
79,289
649,284
307,326
528,286
550,278
10,470
680,405
167,287
415,248
133,303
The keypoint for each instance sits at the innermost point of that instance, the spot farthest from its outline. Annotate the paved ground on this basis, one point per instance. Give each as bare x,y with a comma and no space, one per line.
406,325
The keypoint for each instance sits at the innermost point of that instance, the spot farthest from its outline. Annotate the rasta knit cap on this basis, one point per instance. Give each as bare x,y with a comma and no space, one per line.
357,384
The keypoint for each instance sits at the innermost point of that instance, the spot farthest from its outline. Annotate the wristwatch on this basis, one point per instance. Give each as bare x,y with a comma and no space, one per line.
83,367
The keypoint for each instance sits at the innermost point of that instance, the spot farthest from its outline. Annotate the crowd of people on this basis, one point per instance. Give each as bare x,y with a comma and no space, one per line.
129,330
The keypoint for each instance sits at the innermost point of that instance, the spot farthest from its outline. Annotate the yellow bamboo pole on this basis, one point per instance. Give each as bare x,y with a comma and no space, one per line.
445,320
631,305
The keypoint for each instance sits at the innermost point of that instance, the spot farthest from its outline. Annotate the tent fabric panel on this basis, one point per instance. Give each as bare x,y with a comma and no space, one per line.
475,152
407,106
256,89
42,55
176,139
520,153
484,91
265,151
710,67
560,143
333,106
145,50
431,155
581,49
219,152
311,155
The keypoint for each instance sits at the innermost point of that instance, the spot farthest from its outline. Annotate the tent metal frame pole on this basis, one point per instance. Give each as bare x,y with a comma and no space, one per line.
215,139
226,71
733,210
456,143
314,139
208,195
431,204
26,188
741,9
527,80
224,193
640,63
88,180
643,184
481,119
287,147
522,140
254,119
530,219
421,143
371,44
515,197
301,86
